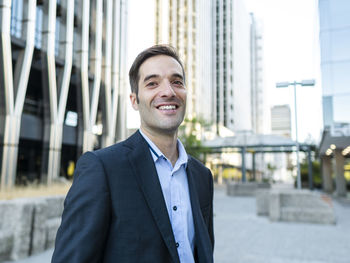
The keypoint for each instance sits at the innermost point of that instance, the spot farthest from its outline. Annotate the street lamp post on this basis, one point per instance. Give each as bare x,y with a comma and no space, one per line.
310,82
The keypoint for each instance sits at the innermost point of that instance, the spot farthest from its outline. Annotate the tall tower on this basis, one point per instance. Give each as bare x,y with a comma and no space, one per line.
187,26
232,65
257,78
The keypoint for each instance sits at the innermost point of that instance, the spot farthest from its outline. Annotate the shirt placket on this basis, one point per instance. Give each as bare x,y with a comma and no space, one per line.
177,212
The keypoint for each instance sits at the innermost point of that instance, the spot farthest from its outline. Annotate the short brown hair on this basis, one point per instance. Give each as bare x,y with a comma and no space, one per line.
155,50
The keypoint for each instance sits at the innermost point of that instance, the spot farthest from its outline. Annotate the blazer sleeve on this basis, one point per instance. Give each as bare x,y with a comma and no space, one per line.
211,219
85,220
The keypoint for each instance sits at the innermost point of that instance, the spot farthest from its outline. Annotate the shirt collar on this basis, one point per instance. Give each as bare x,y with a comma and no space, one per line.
156,153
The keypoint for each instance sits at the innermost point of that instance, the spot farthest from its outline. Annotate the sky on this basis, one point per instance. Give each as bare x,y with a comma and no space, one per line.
291,53
140,36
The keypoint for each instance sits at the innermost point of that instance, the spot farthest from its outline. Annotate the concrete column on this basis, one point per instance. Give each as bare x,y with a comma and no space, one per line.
56,95
14,87
327,182
340,183
254,166
106,91
310,175
243,151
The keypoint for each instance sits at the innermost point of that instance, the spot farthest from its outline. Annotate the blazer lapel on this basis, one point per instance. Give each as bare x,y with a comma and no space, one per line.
202,239
146,174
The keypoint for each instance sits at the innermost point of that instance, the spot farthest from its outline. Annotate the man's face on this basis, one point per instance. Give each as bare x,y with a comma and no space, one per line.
162,95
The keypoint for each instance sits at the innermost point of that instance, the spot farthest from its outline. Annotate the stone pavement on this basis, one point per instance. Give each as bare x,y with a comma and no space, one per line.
243,237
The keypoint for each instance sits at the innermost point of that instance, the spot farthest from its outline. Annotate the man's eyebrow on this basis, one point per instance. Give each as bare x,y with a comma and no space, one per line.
177,75
150,77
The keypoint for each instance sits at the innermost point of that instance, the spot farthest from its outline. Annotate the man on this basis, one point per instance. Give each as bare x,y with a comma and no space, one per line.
144,199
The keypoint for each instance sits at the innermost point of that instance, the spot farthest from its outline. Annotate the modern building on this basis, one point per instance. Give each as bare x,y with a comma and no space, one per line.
214,40
281,125
187,26
62,84
232,65
335,66
281,120
257,75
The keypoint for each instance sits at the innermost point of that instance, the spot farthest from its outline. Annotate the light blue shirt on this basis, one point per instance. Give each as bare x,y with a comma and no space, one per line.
174,184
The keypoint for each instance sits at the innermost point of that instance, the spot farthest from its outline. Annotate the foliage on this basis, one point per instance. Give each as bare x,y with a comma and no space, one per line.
316,173
272,168
189,134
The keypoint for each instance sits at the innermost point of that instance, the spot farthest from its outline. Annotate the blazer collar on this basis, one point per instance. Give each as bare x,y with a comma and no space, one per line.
145,172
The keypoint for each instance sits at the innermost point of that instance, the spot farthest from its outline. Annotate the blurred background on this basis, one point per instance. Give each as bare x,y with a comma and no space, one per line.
262,77
267,80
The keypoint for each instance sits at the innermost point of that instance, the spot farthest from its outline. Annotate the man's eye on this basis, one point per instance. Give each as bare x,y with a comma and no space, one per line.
151,84
178,82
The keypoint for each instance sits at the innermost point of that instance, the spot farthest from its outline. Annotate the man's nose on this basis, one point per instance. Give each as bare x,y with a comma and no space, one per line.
167,89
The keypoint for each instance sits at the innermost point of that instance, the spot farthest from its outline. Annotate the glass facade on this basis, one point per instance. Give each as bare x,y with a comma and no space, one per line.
335,60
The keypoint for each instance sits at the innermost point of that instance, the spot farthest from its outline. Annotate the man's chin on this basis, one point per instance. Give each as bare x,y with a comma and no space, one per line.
168,128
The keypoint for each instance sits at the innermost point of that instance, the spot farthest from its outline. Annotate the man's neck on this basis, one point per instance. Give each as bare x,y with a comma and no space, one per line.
166,143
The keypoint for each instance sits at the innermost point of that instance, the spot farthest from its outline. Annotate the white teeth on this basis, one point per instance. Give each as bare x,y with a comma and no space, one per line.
167,107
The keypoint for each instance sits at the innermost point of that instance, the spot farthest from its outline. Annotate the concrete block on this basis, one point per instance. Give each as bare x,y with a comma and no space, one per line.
22,215
300,206
6,242
28,226
52,226
264,185
244,189
38,230
262,202
55,206
274,206
310,215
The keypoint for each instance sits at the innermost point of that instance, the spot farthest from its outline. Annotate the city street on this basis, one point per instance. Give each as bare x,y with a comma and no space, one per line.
243,237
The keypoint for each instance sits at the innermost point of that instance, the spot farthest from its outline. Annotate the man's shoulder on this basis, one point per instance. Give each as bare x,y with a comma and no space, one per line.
121,147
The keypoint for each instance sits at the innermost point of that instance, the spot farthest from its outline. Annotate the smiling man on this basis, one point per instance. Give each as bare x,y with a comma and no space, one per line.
144,199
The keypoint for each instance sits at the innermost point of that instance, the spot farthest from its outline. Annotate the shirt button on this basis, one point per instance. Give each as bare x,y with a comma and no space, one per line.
174,207
177,244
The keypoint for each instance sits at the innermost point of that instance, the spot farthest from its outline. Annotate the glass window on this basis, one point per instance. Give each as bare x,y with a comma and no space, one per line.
16,18
339,13
341,78
327,79
324,14
325,43
340,44
341,108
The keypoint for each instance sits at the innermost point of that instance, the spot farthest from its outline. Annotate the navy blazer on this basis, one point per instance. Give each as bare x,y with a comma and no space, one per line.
115,210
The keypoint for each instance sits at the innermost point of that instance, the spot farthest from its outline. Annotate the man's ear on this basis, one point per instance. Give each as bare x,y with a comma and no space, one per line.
133,100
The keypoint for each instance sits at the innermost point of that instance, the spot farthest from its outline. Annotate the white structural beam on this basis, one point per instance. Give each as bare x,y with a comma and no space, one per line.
57,100
115,66
83,64
122,73
107,137
96,59
14,89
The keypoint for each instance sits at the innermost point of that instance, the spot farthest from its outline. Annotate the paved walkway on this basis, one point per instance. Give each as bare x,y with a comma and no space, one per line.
242,237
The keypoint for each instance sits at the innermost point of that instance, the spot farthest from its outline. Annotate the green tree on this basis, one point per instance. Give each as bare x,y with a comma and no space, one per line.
190,136
316,173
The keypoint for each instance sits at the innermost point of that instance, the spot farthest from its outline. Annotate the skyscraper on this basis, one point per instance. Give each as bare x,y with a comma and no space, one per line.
281,120
335,67
335,60
232,70
187,26
222,51
257,72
